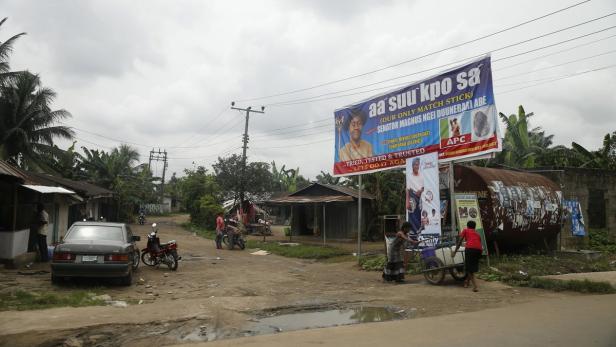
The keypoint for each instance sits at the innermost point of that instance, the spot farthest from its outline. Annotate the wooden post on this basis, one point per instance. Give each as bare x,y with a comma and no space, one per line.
15,208
359,223
452,197
324,237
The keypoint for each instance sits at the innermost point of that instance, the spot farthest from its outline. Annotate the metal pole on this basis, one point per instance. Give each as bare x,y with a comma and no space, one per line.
244,161
452,203
359,222
324,237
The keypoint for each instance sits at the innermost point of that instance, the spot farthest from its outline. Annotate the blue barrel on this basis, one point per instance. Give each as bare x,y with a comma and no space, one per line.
428,252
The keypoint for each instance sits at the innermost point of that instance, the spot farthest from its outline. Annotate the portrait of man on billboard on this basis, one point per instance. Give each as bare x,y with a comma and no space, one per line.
356,148
414,193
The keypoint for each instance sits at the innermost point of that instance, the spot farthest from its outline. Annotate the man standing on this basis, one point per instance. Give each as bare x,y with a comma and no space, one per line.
220,227
42,220
356,148
415,188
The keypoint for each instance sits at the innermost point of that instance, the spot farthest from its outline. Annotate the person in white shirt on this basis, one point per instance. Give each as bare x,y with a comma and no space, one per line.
42,221
415,188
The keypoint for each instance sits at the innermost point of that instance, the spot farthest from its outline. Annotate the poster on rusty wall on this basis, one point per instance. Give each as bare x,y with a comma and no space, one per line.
467,209
577,219
423,204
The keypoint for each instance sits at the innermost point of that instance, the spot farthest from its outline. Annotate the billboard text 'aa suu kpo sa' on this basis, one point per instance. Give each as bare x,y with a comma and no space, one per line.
452,113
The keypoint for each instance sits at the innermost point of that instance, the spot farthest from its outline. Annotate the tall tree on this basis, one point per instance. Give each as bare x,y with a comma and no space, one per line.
6,48
256,181
604,158
27,123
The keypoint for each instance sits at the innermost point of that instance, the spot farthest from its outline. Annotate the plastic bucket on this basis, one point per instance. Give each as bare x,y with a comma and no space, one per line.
428,252
50,251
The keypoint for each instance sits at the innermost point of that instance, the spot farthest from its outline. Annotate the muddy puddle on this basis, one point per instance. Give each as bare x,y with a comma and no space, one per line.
211,328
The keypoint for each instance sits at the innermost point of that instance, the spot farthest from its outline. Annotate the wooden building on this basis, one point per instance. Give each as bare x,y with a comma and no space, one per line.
326,211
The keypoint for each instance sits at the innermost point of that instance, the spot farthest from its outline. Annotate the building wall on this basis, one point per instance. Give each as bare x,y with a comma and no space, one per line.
582,184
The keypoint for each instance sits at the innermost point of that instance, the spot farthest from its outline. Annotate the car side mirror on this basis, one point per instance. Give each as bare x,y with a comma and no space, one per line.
136,238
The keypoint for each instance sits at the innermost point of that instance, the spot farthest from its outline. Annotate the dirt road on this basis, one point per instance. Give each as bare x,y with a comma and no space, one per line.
218,293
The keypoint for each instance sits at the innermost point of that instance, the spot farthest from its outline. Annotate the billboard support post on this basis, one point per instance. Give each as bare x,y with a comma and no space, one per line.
452,199
359,222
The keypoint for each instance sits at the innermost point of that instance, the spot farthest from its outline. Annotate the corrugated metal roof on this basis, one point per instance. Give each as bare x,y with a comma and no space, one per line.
310,199
48,189
341,189
82,187
7,169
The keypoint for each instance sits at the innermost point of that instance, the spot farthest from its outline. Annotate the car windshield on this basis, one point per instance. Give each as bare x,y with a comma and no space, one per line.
95,232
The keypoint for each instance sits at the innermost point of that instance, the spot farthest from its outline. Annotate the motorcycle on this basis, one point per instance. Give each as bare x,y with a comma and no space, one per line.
156,253
232,235
141,219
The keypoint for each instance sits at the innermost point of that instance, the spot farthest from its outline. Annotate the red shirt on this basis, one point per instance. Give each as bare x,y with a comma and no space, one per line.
220,223
473,240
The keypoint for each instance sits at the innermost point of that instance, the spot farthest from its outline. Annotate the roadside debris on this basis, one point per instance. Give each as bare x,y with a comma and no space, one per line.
260,252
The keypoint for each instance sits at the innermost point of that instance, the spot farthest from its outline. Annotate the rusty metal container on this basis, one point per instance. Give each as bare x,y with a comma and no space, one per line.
518,209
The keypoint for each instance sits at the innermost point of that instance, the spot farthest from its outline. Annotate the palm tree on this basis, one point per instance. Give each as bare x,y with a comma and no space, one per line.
6,48
27,123
604,158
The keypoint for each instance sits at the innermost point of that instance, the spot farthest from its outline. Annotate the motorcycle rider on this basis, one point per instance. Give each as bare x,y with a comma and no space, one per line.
220,227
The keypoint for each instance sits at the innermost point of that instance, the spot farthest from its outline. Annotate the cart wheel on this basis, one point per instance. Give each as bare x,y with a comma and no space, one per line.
458,273
434,276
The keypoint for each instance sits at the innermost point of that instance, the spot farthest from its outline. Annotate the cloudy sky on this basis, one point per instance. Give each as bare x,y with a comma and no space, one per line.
163,73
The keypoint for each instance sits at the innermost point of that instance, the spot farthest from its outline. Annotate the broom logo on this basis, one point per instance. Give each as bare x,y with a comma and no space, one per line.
339,123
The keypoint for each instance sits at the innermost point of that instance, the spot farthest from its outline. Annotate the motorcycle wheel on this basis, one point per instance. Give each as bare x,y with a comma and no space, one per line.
173,265
147,259
136,260
230,244
225,239
241,243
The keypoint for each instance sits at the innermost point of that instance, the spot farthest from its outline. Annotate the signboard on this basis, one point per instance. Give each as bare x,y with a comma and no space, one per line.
452,114
423,207
577,219
467,209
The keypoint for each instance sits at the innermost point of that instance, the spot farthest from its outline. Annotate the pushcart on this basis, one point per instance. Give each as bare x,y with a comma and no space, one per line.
435,259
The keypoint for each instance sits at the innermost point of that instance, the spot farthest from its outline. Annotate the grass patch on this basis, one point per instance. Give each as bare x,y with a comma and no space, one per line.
526,271
202,232
22,300
582,286
599,240
299,251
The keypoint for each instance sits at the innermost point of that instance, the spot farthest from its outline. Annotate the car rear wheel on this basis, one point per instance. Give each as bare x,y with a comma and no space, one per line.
55,279
128,279
135,260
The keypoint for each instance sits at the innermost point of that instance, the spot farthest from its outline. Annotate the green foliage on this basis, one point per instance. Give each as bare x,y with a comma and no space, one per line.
299,251
27,123
23,300
229,171
287,231
604,158
583,286
201,196
599,240
373,263
205,216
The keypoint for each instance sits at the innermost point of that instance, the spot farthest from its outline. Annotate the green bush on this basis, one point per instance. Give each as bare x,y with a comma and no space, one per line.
373,263
204,212
599,240
287,231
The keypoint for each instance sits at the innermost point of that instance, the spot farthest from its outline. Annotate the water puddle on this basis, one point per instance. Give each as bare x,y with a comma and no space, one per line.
323,319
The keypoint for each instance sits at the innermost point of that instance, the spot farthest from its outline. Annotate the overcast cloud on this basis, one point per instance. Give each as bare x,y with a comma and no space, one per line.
162,73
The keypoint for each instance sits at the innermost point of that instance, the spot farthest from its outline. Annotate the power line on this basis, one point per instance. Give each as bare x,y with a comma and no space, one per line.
558,79
419,57
555,53
312,99
201,128
557,65
300,100
299,145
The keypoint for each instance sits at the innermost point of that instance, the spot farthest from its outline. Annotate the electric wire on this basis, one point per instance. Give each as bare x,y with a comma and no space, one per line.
419,57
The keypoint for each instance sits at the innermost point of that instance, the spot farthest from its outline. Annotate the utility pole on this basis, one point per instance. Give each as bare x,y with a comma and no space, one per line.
245,147
159,156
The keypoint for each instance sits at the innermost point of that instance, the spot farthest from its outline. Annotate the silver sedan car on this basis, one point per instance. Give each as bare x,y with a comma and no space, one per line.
94,249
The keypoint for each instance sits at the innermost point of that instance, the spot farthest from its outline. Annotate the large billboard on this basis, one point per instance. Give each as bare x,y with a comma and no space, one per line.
452,114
